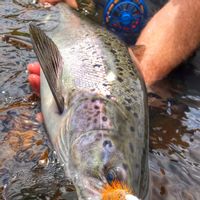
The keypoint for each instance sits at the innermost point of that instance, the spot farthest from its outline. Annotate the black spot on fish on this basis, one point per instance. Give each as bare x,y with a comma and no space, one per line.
93,100
96,107
132,128
119,79
128,100
95,121
104,118
89,47
108,96
131,147
108,43
97,113
131,73
117,60
130,70
85,59
113,51
133,97
121,73
89,118
128,108
135,115
132,89
120,69
125,166
104,84
97,65
107,143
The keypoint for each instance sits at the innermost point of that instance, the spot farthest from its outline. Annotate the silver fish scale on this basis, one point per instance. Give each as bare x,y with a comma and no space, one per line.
95,70
90,69
95,63
128,89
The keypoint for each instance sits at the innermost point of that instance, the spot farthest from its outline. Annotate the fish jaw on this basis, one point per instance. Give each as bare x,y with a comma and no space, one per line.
94,189
93,156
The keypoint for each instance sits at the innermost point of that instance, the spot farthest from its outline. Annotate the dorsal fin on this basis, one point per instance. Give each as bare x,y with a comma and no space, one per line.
51,62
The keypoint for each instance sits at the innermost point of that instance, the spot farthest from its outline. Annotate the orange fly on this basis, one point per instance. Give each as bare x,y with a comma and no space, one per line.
115,191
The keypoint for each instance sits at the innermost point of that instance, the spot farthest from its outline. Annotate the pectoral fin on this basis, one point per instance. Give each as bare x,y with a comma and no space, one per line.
51,62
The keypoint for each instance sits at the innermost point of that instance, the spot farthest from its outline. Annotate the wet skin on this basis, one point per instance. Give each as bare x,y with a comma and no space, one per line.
34,76
34,81
71,3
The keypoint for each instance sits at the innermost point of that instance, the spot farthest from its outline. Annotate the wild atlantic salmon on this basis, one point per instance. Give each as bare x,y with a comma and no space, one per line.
94,107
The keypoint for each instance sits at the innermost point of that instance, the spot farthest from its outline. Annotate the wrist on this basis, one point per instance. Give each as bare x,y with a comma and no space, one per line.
170,37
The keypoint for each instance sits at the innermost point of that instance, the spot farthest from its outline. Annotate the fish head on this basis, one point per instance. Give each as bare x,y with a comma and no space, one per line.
99,161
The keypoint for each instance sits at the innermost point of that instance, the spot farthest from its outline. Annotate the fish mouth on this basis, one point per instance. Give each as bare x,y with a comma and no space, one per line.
94,189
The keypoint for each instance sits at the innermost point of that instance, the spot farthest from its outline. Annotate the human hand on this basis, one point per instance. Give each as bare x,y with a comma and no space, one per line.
34,76
171,35
71,3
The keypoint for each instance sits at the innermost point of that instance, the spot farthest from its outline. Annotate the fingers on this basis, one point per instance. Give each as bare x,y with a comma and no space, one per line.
71,3
34,81
39,117
34,76
50,1
34,68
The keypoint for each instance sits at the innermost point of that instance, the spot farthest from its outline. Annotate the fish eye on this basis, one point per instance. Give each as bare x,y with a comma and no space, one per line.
115,174
111,176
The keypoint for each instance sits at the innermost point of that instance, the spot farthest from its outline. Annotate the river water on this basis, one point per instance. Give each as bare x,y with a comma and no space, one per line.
28,166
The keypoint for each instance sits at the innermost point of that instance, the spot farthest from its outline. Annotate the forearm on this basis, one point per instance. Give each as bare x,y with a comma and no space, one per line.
169,38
